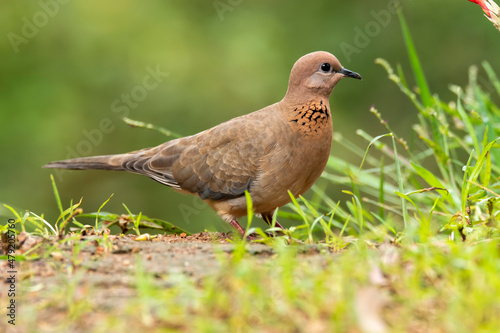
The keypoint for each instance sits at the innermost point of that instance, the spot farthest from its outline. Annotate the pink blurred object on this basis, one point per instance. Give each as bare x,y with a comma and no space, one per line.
491,10
482,3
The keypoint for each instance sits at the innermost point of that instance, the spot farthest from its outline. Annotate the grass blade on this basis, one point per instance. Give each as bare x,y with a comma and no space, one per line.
137,123
56,194
99,210
400,183
415,64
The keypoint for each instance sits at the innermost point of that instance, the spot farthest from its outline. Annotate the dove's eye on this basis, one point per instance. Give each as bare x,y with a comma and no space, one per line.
325,67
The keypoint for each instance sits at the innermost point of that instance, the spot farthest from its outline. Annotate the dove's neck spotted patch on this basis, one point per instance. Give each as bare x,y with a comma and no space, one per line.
311,118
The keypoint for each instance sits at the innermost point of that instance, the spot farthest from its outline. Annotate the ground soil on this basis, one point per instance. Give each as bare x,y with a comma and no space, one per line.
110,269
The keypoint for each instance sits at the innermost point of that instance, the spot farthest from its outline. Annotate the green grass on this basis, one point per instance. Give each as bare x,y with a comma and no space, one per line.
447,186
435,287
414,249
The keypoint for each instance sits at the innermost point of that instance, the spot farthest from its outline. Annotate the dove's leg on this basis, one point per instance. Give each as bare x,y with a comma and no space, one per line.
268,218
234,223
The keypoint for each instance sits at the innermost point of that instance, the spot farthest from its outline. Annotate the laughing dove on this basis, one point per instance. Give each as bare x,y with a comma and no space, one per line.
282,147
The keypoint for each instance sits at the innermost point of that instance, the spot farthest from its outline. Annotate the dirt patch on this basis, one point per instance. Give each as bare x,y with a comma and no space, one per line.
116,255
111,260
110,269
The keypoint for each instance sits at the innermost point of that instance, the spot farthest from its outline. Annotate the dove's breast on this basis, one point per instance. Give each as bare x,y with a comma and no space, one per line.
295,154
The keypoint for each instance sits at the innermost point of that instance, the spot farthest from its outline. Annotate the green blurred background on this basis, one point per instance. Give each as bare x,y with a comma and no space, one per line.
65,66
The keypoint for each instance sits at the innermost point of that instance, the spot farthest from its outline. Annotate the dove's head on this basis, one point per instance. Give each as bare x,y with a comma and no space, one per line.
314,76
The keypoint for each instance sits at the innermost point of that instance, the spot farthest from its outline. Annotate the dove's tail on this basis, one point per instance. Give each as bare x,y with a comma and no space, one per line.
105,162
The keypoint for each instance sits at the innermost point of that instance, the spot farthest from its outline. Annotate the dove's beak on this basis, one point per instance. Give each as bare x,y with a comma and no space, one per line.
348,73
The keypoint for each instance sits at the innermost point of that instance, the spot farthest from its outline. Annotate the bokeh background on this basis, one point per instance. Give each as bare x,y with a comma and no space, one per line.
66,68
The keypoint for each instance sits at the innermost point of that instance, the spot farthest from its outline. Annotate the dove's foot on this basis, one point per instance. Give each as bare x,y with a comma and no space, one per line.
234,223
268,218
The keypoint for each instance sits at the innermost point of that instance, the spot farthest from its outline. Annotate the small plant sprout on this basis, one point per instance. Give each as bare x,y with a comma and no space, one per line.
136,221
